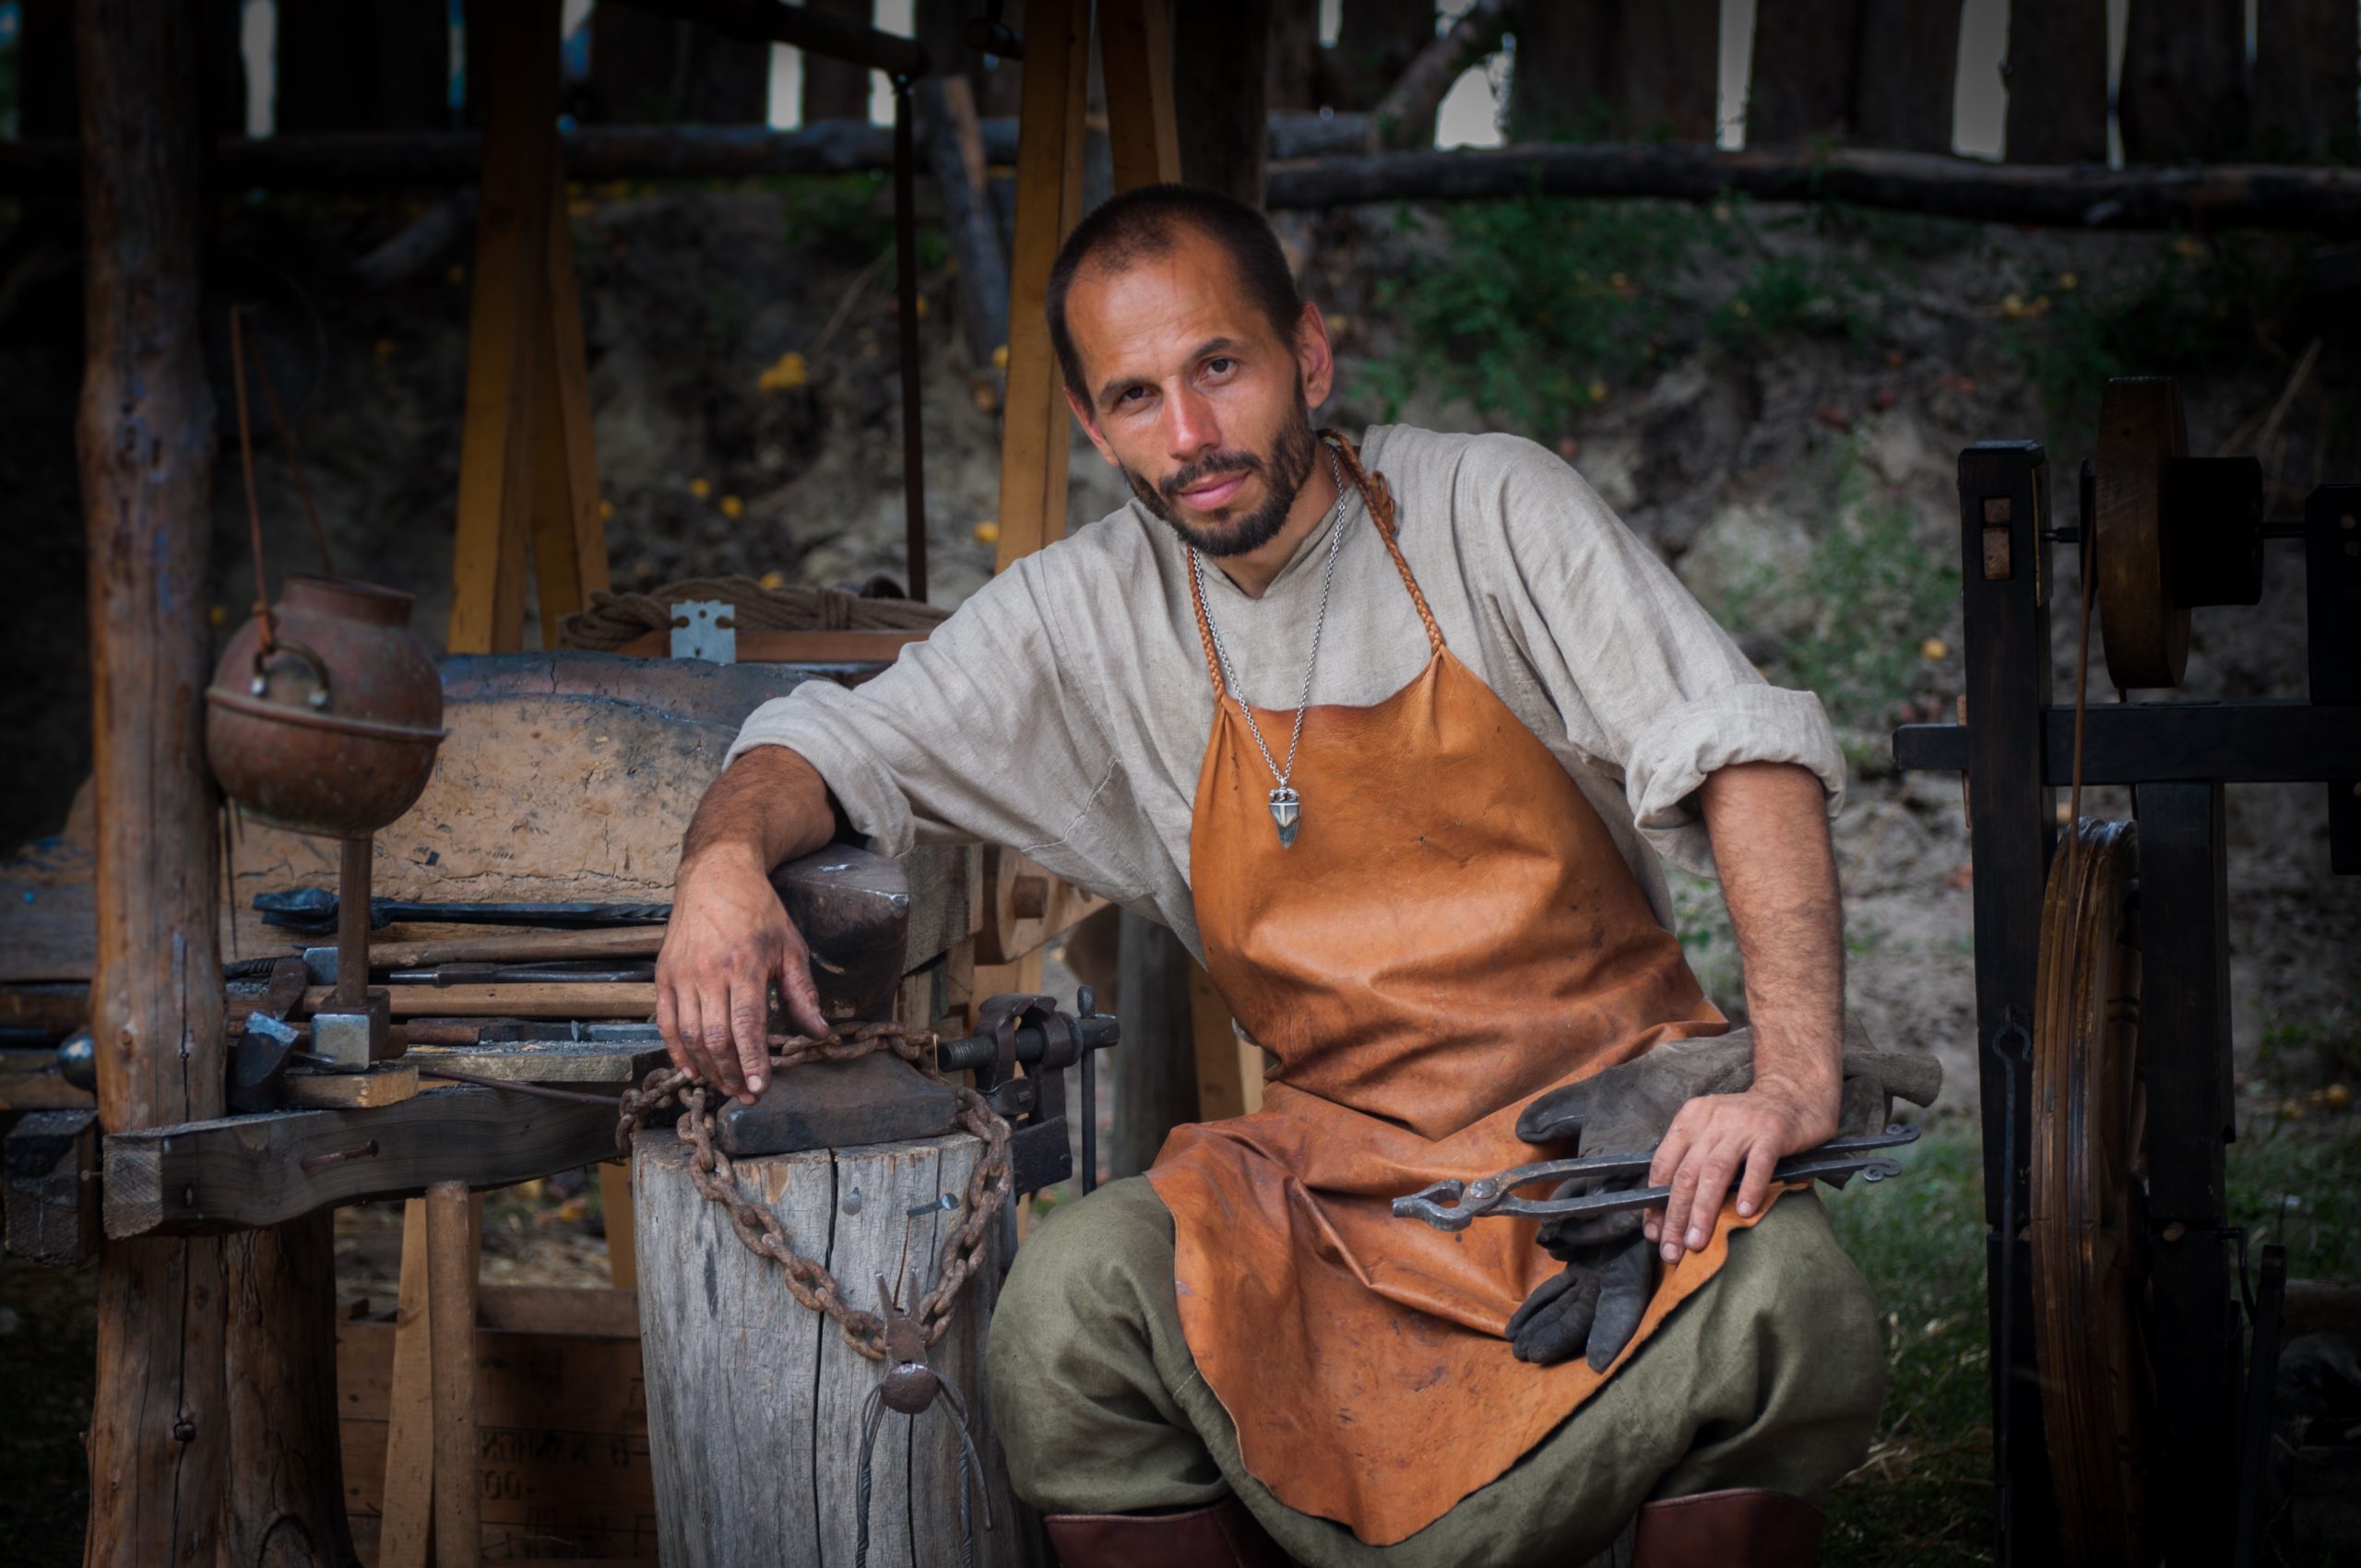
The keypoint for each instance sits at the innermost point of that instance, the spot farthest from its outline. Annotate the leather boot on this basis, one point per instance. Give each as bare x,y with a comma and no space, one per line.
1743,1527
1220,1535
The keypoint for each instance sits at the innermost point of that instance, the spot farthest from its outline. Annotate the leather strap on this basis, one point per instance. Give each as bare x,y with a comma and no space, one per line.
1740,1527
1379,497
1220,1535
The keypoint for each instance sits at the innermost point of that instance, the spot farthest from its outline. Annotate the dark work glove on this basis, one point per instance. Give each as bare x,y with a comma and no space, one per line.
1594,1306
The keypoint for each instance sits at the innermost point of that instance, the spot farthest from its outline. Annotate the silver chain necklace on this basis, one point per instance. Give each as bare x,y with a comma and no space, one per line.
1287,807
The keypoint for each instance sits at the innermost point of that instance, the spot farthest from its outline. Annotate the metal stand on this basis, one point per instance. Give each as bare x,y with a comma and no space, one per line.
2015,748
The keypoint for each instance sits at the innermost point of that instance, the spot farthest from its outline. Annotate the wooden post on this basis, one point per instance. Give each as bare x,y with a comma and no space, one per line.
362,65
836,90
1135,55
1033,436
1804,58
286,1502
160,1435
405,1527
2057,68
1156,1066
451,1308
754,1401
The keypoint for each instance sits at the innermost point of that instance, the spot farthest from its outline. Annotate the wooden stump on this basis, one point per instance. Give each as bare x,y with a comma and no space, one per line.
754,1401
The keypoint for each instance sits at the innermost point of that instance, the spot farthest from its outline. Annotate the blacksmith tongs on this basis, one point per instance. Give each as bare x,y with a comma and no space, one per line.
1453,1205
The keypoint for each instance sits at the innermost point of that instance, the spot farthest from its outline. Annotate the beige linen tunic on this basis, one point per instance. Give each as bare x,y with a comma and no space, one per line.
1065,709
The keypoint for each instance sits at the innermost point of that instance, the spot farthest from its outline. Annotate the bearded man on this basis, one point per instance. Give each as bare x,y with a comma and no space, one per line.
1392,736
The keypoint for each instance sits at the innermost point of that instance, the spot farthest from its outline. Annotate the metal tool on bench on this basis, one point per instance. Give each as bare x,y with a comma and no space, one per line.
881,1099
316,911
1453,1205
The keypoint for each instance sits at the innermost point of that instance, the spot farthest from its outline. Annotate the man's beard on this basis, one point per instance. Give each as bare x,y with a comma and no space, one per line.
1283,475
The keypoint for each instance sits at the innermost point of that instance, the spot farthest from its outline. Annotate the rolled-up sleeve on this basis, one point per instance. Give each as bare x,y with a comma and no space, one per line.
1649,687
971,734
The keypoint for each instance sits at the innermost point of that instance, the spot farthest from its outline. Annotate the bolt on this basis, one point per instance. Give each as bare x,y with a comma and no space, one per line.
311,1163
852,1201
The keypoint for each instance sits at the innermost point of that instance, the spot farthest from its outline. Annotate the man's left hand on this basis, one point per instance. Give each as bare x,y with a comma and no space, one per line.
1717,1138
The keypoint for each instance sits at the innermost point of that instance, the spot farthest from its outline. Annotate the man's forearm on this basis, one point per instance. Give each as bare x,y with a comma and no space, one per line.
1769,826
770,804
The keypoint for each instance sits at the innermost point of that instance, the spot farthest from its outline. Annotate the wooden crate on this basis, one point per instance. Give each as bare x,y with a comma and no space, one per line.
563,1421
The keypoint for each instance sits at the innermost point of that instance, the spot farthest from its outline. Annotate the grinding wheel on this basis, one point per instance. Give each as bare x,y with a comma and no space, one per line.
2088,1229
2145,633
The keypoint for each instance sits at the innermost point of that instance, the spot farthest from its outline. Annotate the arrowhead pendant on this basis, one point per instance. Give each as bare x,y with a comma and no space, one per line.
1288,812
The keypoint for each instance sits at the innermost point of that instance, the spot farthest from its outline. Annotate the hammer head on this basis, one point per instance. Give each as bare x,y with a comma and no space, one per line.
853,909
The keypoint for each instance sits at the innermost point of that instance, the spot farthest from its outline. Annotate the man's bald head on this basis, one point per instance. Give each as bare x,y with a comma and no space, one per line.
1145,224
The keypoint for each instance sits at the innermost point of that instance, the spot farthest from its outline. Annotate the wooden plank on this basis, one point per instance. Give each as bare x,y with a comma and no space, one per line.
386,1083
282,1353
245,1171
451,1309
405,1539
52,1164
545,999
1025,907
1221,70
1034,437
793,647
1135,56
2306,58
514,45
558,1309
29,1081
569,541
519,946
56,1010
1800,86
2181,90
1903,90
614,1206
2057,68
1230,1069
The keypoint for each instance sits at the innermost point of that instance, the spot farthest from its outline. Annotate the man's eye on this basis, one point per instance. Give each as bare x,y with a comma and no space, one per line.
1131,395
1220,365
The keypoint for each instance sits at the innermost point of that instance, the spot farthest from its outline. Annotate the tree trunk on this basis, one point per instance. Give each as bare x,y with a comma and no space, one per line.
777,1482
362,65
2057,75
286,1503
647,69
1156,1066
1806,53
1908,79
2182,94
832,89
1220,72
1667,75
1376,40
1615,70
2304,54
1293,81
159,1437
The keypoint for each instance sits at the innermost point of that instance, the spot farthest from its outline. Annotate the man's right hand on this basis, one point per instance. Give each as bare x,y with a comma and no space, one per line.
729,940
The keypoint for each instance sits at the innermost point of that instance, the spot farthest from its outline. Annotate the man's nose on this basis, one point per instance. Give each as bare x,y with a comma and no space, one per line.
1195,429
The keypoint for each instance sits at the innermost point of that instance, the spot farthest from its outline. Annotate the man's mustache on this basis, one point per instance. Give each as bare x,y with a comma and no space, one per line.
1207,467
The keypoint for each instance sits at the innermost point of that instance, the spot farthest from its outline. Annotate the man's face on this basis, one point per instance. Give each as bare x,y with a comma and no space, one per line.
1195,395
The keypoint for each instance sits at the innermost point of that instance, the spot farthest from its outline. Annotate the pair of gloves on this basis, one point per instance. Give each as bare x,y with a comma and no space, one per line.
1595,1304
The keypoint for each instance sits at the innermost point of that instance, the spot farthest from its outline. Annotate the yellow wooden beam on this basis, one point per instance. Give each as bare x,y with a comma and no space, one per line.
1135,57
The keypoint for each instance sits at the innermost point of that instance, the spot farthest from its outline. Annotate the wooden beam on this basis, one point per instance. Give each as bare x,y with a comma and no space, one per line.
2307,56
2181,90
1135,56
1034,437
1902,92
406,1527
569,541
547,999
2057,68
53,1188
451,1307
2324,200
29,1081
1805,54
238,1171
159,1441
288,1484
515,45
1220,69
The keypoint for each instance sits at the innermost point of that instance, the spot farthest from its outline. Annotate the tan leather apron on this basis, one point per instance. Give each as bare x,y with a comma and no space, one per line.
1452,934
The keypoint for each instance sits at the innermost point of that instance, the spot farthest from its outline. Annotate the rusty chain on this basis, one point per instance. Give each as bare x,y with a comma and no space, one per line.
761,1230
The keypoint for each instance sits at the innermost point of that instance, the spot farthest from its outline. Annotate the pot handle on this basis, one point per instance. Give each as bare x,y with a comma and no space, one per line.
322,693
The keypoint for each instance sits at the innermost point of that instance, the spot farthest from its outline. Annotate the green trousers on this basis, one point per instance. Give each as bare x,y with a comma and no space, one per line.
1770,1376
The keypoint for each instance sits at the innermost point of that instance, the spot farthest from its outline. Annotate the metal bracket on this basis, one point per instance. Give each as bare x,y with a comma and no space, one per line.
707,629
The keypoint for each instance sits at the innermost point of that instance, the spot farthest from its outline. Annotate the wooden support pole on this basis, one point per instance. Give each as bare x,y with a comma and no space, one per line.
514,50
1033,440
286,1498
569,541
406,1519
1220,66
160,1440
1135,55
451,1308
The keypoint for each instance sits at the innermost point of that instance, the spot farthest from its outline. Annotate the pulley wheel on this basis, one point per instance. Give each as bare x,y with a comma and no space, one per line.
2088,1228
2144,632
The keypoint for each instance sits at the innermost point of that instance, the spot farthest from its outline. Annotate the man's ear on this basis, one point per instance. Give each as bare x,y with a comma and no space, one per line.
1090,427
1314,356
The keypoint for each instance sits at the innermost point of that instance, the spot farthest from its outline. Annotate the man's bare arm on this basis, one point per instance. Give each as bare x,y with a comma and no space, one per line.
730,937
1769,826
